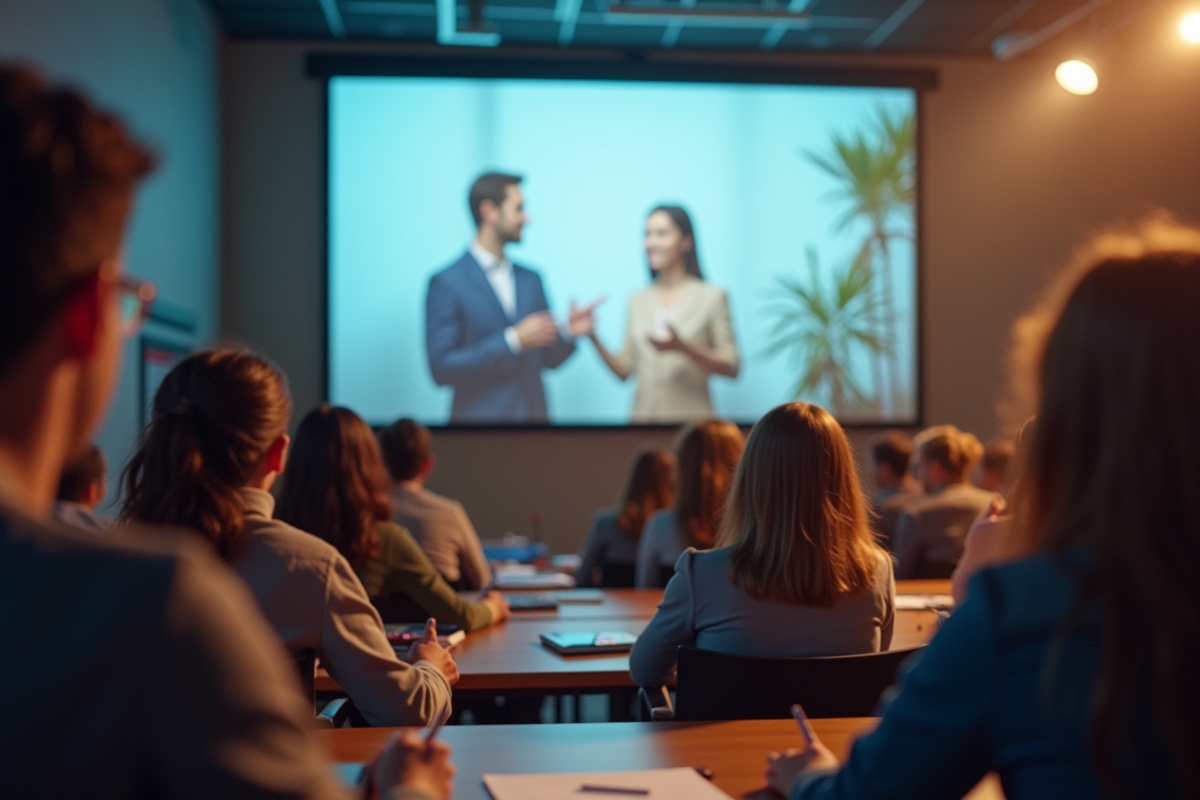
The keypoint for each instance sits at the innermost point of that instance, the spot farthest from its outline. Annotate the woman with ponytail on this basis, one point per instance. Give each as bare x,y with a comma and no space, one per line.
215,445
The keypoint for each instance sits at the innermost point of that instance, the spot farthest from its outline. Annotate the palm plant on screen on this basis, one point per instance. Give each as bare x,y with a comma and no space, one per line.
826,326
875,170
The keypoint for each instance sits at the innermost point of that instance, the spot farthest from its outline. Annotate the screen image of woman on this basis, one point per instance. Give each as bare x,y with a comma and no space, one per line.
678,330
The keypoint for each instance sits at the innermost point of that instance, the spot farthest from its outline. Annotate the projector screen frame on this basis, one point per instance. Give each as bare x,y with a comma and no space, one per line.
631,66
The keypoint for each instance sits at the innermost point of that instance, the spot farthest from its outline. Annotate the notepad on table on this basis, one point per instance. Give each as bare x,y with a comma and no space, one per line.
588,642
538,580
404,635
923,602
680,783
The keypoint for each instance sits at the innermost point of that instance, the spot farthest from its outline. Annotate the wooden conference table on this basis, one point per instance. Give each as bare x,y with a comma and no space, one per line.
510,655
734,751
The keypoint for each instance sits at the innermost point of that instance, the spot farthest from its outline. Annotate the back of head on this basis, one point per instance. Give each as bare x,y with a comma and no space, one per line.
997,458
406,447
796,520
895,449
707,454
335,485
1114,468
651,487
956,451
67,177
215,416
81,473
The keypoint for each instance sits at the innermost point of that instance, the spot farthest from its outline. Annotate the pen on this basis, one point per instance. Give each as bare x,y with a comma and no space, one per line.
805,726
437,726
590,787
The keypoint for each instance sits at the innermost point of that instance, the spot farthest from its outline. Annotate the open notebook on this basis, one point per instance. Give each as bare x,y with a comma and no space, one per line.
680,783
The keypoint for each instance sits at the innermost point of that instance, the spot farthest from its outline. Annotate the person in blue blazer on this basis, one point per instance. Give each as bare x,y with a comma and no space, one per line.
488,328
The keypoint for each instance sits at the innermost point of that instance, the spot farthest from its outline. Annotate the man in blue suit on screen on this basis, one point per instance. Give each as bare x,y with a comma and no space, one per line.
488,329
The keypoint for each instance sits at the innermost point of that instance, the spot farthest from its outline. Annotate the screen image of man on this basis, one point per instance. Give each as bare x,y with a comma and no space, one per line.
489,333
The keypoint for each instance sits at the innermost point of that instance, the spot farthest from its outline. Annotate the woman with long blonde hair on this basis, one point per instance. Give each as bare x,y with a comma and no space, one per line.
796,570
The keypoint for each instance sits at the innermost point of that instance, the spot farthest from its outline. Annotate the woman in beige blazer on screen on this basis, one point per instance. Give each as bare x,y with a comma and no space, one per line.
677,331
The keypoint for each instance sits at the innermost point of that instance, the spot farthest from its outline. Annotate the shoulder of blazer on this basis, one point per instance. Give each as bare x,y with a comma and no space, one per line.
526,273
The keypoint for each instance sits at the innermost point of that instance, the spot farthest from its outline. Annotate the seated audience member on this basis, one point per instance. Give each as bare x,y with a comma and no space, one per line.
337,488
992,472
136,665
706,455
930,531
796,571
81,488
897,487
610,552
1071,673
992,538
440,525
215,445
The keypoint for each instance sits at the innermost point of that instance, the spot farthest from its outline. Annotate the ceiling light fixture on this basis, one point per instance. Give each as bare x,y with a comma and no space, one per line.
1189,28
1077,77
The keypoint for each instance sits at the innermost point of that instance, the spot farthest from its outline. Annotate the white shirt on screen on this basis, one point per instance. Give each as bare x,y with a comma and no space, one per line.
499,272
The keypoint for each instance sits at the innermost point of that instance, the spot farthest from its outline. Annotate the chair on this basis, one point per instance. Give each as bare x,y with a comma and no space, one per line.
616,576
339,713
719,686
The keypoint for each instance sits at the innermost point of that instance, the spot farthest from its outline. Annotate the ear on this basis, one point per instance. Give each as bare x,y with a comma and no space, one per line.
488,211
276,458
429,465
83,319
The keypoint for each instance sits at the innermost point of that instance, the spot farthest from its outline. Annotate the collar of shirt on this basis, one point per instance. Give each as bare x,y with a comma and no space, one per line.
487,259
258,503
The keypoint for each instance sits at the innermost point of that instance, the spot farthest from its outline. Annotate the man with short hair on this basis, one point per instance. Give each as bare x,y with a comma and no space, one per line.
991,474
890,456
488,329
440,525
135,665
81,488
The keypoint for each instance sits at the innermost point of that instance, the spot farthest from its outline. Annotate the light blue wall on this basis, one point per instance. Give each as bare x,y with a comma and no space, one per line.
154,63
596,157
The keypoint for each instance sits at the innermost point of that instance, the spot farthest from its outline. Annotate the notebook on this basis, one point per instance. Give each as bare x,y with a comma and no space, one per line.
680,783
403,635
586,642
538,580
548,601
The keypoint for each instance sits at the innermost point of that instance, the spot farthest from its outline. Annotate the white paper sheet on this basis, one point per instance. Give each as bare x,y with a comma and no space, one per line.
681,783
921,602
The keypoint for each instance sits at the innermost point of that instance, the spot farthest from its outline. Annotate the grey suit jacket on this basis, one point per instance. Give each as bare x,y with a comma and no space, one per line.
313,599
670,386
888,505
930,533
444,531
703,609
138,666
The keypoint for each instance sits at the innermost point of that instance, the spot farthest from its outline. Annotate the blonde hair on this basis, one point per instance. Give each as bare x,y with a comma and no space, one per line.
957,451
796,522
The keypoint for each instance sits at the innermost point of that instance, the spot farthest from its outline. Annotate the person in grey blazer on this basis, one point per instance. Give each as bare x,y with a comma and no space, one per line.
678,330
770,588
930,532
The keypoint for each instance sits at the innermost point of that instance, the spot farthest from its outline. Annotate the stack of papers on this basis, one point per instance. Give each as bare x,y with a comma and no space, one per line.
536,580
923,602
681,783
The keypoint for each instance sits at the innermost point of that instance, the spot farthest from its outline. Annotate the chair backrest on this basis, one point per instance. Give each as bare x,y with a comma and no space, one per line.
616,576
719,686
306,663
400,608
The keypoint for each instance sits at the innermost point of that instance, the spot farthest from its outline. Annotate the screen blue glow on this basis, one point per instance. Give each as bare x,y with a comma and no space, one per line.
596,157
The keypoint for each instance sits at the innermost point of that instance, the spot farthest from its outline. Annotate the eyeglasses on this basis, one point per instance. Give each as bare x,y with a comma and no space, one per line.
133,303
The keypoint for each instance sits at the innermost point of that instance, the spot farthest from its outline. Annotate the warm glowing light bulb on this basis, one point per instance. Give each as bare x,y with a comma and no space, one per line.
1077,77
1189,29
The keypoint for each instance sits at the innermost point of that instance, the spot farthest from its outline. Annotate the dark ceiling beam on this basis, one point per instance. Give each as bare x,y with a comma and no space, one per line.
1007,48
889,26
776,31
1000,25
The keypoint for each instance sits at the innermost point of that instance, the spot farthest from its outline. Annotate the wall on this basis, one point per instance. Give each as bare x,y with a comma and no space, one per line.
154,63
1016,174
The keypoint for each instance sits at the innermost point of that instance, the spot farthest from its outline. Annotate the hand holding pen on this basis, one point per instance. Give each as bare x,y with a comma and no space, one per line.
410,762
783,768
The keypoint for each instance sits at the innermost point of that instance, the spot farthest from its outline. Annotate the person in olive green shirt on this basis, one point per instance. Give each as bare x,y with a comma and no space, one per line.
336,487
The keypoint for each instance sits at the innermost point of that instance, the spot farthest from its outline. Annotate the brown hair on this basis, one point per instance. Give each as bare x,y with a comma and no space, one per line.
215,416
707,455
683,222
894,448
405,446
1114,467
796,522
82,471
489,186
336,486
651,487
67,177
957,451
